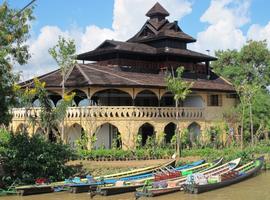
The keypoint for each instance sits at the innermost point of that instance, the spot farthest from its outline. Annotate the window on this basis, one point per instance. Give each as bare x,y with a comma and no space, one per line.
214,100
231,96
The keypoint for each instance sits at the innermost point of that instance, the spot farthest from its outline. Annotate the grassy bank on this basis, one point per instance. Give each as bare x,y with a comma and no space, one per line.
104,161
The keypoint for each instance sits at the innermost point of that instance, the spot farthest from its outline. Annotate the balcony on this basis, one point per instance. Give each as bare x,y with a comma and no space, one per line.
120,112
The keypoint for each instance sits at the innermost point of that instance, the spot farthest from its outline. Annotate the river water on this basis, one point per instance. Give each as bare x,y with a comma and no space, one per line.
256,188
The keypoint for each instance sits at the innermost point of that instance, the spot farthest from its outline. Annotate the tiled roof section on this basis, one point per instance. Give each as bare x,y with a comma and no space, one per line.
116,46
157,9
161,29
84,75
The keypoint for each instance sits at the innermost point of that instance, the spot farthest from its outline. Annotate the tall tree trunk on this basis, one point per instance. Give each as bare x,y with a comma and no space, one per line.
63,94
251,124
242,127
178,145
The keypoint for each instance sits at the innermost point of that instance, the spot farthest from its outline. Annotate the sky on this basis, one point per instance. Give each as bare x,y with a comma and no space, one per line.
216,24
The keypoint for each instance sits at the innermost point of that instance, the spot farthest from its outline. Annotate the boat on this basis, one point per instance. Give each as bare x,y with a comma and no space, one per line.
235,176
170,186
34,189
85,185
136,172
10,190
132,185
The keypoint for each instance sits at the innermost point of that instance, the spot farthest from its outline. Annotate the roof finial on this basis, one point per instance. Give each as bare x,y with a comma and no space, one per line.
157,11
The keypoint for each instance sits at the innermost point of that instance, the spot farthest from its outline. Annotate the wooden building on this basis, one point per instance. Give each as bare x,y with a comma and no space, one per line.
122,90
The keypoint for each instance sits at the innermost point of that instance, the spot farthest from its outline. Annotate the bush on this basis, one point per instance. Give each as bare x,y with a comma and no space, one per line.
28,158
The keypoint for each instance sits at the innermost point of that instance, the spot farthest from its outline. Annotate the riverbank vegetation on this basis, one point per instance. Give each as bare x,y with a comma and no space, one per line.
25,158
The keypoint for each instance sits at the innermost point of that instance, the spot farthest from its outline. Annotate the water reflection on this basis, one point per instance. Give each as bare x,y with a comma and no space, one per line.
257,188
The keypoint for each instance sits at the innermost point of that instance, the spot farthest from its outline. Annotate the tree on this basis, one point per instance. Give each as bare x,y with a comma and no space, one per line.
50,116
250,64
14,31
27,158
249,71
64,55
180,89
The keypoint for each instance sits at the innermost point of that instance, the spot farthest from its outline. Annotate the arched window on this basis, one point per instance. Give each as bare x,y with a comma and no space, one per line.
107,136
74,133
194,131
146,98
169,130
167,100
112,97
79,96
146,131
54,97
193,101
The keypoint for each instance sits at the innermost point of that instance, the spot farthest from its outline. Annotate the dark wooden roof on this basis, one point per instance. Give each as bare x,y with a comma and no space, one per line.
111,46
87,75
160,29
157,10
158,37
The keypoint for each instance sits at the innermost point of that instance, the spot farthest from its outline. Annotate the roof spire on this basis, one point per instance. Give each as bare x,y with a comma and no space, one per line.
157,11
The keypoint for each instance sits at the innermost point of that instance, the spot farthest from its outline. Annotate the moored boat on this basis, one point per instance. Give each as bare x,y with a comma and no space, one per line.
34,189
165,187
235,176
85,185
131,186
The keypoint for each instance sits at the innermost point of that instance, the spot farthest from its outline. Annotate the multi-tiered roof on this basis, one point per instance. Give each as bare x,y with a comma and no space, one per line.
140,61
158,40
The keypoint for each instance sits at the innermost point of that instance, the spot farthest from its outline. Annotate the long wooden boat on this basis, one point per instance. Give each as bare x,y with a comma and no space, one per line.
34,189
136,172
166,187
239,174
131,186
85,186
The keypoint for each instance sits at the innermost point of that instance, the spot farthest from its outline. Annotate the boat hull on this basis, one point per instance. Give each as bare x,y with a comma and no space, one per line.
144,192
34,190
197,189
106,191
117,190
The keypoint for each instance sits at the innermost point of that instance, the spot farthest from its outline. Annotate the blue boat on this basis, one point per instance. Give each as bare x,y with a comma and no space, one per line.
91,185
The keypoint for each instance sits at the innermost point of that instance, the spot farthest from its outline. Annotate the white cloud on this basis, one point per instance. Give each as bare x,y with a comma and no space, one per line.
257,32
225,17
128,18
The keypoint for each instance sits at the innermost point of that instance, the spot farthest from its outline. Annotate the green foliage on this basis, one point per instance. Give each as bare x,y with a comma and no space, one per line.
14,29
4,139
180,90
178,86
229,153
81,143
138,141
251,63
161,139
185,137
120,154
249,71
50,116
27,158
116,141
150,143
64,54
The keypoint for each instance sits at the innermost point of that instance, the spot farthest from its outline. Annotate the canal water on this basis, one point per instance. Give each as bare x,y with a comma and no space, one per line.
257,188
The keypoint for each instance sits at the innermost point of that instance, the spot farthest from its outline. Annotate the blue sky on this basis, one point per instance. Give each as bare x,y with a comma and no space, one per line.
217,24
67,13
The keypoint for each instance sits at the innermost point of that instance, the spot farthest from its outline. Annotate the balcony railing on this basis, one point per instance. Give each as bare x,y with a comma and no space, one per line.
119,112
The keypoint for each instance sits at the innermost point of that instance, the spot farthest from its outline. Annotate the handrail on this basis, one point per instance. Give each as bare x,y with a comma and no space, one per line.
119,112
